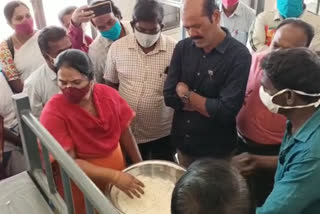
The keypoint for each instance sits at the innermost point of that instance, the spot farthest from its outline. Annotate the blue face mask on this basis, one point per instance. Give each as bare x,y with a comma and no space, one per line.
114,33
290,8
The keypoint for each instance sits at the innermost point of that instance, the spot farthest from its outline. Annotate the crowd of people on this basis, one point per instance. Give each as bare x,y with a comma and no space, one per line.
237,100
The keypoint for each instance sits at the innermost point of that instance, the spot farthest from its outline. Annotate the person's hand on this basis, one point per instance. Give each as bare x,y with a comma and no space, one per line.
246,163
129,184
80,16
182,89
188,107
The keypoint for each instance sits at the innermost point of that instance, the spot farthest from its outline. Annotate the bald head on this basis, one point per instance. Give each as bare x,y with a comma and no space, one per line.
201,19
293,33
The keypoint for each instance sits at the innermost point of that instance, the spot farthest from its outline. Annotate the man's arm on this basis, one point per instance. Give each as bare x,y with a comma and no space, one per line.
75,31
111,74
35,100
1,138
257,34
12,138
174,75
226,107
295,191
315,43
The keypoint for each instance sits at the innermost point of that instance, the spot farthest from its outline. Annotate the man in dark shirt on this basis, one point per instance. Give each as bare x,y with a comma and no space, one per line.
206,85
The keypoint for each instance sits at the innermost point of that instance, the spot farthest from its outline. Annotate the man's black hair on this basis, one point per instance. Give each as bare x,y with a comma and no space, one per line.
148,10
50,34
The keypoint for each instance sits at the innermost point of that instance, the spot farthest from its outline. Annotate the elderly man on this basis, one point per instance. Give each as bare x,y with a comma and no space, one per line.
206,85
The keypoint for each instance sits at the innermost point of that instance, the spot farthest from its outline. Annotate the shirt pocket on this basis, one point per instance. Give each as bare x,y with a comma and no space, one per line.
213,81
157,79
241,36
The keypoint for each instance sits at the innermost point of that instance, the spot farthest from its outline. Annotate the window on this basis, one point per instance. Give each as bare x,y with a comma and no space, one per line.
313,6
53,7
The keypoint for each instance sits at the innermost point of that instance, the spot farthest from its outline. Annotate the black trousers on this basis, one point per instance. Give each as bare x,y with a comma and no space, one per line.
160,149
261,183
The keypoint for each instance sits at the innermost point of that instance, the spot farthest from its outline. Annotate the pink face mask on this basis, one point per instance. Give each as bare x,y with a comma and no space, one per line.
25,28
229,3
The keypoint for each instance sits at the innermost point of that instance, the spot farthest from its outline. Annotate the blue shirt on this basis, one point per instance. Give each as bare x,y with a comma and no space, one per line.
297,180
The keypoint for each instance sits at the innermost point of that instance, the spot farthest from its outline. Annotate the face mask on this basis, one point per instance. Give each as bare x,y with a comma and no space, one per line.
146,40
290,8
75,95
25,28
114,33
229,3
274,108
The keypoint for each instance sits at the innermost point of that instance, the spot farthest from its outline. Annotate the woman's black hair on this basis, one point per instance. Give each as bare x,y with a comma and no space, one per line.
76,59
10,7
210,186
148,10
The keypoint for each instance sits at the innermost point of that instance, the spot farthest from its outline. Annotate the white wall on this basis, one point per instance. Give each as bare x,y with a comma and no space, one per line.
126,8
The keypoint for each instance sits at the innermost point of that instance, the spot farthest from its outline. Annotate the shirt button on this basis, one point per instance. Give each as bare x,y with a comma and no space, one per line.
204,56
198,74
195,90
188,121
187,136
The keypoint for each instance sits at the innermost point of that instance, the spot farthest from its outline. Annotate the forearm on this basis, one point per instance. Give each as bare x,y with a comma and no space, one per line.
267,162
16,85
98,174
8,136
198,103
76,35
128,143
112,85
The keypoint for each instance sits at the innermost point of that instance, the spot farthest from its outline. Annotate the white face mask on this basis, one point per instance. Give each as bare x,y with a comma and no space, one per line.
146,40
55,60
274,108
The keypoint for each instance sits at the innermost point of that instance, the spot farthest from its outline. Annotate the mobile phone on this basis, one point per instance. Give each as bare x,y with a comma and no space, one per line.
100,9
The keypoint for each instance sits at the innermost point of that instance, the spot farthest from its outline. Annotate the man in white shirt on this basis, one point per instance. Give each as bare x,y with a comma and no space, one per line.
137,65
13,160
237,18
111,29
42,84
264,27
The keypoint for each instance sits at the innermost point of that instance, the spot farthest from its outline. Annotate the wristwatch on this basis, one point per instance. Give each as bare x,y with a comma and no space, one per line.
186,97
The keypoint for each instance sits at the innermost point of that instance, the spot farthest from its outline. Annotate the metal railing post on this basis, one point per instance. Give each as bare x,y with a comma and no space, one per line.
28,138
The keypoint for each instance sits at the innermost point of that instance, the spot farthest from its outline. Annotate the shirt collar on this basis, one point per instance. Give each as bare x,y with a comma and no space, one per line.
51,74
308,128
222,47
237,12
160,46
